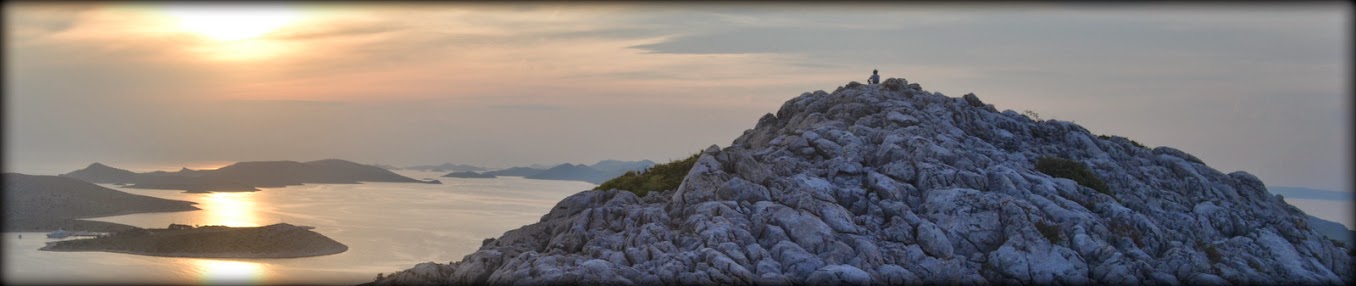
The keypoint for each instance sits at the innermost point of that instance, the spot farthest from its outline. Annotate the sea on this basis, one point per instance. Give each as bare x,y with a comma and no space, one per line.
387,226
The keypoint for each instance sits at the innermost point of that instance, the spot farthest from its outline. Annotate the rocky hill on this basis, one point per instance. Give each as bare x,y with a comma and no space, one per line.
892,184
99,173
48,203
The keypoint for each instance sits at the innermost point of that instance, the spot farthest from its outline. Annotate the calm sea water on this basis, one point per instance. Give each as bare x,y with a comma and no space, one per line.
387,227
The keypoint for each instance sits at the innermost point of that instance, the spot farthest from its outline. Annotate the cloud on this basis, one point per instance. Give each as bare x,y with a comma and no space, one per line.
526,107
385,83
333,30
288,103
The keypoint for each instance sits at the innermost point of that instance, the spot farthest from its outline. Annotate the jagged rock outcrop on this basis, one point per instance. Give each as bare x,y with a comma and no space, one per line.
891,184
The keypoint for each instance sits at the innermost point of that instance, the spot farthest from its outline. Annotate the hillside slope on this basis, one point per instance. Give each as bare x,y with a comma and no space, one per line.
47,203
891,184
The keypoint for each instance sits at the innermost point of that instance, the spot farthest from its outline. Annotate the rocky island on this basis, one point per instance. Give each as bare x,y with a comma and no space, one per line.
890,184
274,241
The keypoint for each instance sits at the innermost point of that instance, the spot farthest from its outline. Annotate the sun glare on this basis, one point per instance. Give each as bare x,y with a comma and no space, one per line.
230,209
232,23
226,272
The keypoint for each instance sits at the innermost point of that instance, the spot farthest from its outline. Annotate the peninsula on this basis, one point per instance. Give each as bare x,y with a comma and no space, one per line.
274,241
47,203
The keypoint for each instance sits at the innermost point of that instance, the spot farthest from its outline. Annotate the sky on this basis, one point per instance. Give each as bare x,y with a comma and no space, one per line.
1260,88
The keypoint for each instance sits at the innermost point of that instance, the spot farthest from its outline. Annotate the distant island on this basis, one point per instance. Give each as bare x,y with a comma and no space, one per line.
446,167
244,176
515,172
1332,230
48,203
597,173
384,166
274,241
569,172
469,174
1310,194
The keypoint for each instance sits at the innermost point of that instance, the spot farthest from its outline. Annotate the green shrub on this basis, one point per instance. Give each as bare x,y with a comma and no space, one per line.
1051,232
1257,266
1132,141
1069,169
1212,253
1032,114
660,177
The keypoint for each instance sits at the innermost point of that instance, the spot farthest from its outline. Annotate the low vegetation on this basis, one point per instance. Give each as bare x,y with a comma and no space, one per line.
1132,142
1032,114
1073,170
660,177
1211,252
1051,232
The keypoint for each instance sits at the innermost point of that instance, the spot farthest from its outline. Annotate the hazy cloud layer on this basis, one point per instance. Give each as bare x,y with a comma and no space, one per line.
1257,88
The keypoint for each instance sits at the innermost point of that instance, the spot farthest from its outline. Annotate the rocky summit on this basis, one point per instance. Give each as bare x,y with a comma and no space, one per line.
892,184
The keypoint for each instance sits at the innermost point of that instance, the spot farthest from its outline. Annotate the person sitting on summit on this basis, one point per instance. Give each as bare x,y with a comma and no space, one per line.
874,79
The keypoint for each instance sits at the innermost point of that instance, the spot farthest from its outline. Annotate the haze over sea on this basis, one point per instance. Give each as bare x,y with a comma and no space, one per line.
1339,211
387,226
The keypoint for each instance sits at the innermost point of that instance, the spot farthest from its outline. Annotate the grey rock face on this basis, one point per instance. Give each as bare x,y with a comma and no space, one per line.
890,184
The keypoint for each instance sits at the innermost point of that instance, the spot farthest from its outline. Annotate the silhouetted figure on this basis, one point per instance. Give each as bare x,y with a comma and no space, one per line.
874,79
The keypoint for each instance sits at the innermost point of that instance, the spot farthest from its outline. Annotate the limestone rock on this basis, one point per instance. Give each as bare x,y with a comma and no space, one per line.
890,184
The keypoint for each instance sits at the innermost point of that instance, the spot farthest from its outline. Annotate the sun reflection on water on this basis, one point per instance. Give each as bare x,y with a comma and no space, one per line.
229,209
223,272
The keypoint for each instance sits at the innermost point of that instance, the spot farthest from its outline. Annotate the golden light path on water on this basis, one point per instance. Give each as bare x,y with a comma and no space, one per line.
405,223
226,272
234,210
229,209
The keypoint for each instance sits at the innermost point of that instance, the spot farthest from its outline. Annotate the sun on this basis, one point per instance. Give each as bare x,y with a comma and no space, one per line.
232,23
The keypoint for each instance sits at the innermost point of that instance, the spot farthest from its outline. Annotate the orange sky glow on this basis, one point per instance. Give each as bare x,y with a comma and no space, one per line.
514,84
